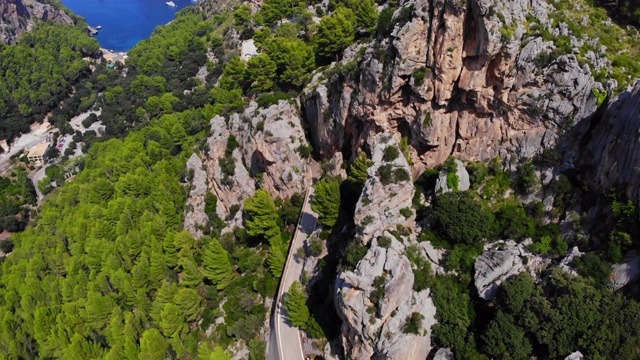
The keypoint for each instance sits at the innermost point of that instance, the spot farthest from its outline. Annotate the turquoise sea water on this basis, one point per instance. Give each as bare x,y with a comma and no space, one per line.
125,22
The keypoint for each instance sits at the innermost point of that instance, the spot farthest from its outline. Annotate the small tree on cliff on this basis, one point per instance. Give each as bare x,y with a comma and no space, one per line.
326,202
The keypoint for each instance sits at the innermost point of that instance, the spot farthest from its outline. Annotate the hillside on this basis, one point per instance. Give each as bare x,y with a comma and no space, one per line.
473,166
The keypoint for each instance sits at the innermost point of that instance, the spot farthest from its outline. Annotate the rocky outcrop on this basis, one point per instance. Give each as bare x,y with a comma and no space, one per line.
266,156
18,16
502,260
194,215
444,354
626,272
575,356
611,154
463,180
459,78
375,300
567,261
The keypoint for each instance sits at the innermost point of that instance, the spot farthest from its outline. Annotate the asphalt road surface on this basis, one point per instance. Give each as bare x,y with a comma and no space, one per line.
285,341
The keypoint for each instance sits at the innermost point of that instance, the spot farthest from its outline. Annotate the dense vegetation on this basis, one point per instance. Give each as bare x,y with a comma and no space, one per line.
27,95
108,272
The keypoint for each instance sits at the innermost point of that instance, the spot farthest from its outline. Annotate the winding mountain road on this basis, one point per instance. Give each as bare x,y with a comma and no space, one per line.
285,343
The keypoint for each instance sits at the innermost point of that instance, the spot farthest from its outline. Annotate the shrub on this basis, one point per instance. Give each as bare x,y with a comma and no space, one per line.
526,178
413,324
390,154
406,212
384,241
6,246
385,174
419,74
316,246
260,126
400,175
459,218
354,252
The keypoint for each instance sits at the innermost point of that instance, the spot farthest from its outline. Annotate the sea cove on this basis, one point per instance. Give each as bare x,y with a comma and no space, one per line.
125,22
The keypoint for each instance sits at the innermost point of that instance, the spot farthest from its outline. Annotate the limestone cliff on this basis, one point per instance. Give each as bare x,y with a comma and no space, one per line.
457,78
18,16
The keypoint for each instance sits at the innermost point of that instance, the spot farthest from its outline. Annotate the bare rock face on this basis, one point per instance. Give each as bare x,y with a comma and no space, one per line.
611,153
194,214
502,260
374,326
266,155
458,78
18,16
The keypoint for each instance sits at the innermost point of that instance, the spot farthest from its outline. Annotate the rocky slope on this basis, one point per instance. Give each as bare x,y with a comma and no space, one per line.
18,16
459,77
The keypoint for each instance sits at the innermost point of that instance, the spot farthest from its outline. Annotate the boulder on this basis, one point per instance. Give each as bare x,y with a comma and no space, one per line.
565,263
463,180
502,260
493,267
625,272
444,354
575,356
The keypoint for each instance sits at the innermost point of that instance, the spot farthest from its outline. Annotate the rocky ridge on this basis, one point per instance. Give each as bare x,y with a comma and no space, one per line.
266,156
374,326
18,16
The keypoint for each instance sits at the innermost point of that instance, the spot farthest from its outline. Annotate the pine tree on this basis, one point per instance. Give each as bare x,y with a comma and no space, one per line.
82,349
276,261
295,302
261,71
170,250
98,309
263,216
172,320
153,346
217,266
358,170
190,302
158,269
164,295
233,74
191,276
365,11
326,202
335,32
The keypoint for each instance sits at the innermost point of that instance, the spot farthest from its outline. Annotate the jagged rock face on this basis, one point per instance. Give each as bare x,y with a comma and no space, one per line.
611,152
366,334
194,214
575,356
268,142
482,93
18,16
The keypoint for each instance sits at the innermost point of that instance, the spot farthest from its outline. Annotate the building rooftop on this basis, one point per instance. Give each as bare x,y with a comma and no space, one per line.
39,149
